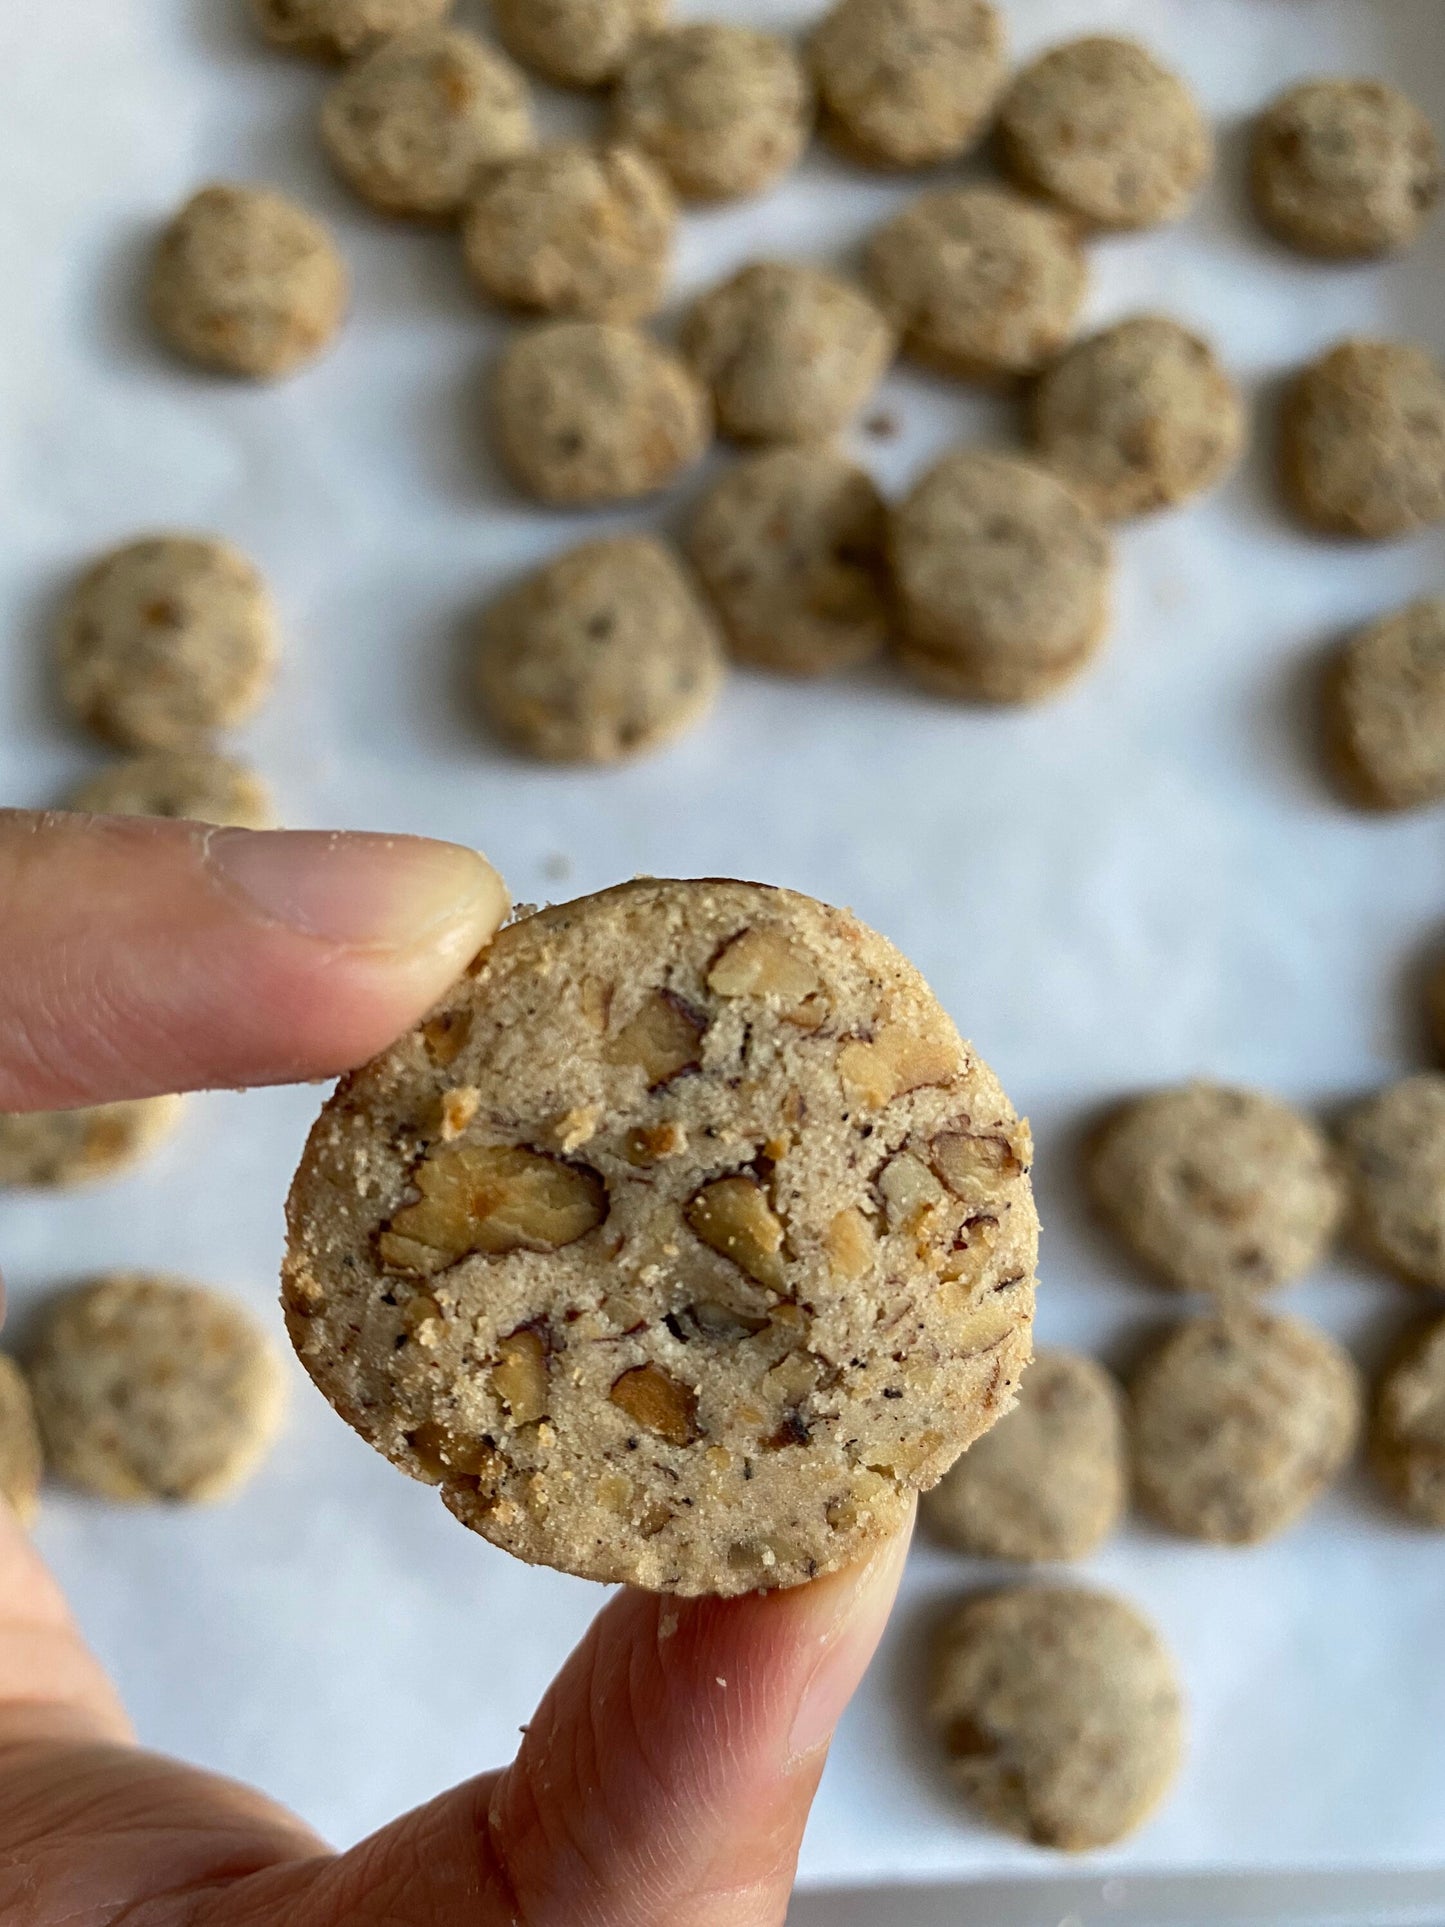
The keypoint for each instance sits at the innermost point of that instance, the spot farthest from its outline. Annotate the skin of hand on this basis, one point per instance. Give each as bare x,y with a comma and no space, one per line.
668,1773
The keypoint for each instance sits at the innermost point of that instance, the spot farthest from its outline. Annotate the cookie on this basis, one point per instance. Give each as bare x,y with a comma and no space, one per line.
1003,580
724,111
590,412
1407,1429
245,282
1435,1006
789,353
1138,418
909,83
576,43
333,29
573,230
791,548
605,653
1362,441
198,787
1344,169
1050,1481
1060,1712
679,1246
1394,1147
65,1148
1100,127
148,1388
1385,705
21,1460
1240,1422
412,125
979,281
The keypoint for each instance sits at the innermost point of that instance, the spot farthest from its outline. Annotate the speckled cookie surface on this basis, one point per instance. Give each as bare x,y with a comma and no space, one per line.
1362,441
791,547
1003,579
194,785
1394,1146
1050,1481
1138,418
1345,169
1407,1428
1386,709
336,28
245,282
679,1246
723,110
64,1148
21,1459
980,281
1060,1712
909,83
1099,126
149,1388
577,43
605,653
1240,1423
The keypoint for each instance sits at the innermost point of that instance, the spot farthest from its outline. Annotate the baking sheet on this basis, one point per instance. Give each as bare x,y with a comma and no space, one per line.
1143,881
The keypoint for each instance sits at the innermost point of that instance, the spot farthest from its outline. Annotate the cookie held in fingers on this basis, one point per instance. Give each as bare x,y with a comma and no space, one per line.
1344,169
909,83
576,43
1407,1429
60,1149
195,786
1385,704
1362,441
1394,1148
335,29
22,1463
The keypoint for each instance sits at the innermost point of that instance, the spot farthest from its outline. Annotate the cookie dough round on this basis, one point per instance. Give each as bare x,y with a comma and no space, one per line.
1395,1149
1050,1481
1362,441
573,229
576,43
165,641
1407,1431
1344,169
1386,709
724,111
679,1246
1217,1190
65,1148
1100,127
789,353
22,1465
791,547
245,282
590,412
1060,1712
1138,418
605,653
149,1388
979,281
334,29
1240,1423
1003,579
198,787
909,83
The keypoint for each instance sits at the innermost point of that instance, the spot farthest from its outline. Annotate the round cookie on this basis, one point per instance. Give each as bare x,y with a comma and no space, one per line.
1344,169
573,229
148,1388
1395,1149
1050,1481
1100,127
590,412
1060,1712
791,547
22,1465
65,1148
1217,1190
680,1245
909,83
979,281
333,29
724,111
789,353
1003,580
244,282
1386,709
1407,1432
1240,1422
1138,418
605,653
576,43
198,787
1362,441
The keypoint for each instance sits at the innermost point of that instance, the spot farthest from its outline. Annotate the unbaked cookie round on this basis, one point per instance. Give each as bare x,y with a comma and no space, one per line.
1345,169
1240,1422
22,1465
196,786
1050,1481
680,1245
1099,126
980,282
1362,441
247,283
336,28
909,83
573,229
724,111
1137,418
1003,580
1386,709
576,43
64,1148
1395,1148
791,547
165,641
1060,1712
1407,1433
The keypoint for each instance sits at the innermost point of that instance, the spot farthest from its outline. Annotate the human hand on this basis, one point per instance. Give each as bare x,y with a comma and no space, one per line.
668,1774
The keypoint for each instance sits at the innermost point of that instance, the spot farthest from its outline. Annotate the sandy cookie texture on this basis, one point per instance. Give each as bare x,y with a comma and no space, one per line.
577,43
148,1388
909,83
1407,1433
22,1464
679,1246
1344,169
333,29
1050,1481
65,1148
1362,441
1060,1712
196,786
1394,1146
1386,709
